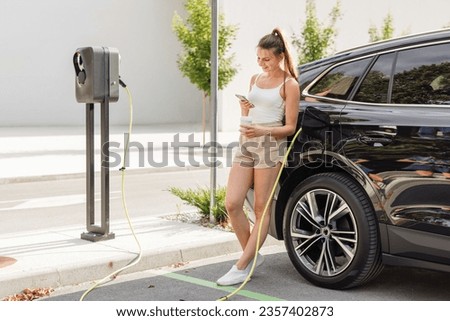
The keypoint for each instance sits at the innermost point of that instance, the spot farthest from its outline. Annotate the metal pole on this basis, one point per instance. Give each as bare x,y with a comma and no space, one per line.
104,130
97,232
90,170
214,91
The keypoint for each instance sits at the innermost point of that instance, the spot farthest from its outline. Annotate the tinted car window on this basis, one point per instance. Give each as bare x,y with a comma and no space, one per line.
339,81
375,87
422,76
306,76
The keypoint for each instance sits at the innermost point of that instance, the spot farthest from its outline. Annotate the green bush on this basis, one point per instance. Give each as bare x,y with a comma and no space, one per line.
316,39
201,198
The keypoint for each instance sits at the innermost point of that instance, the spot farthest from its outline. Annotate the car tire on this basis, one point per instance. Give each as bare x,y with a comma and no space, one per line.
331,233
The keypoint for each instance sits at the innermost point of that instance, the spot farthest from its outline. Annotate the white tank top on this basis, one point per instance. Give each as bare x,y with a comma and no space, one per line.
269,105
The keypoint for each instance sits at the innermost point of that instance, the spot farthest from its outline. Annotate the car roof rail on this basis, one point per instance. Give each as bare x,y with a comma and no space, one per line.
380,42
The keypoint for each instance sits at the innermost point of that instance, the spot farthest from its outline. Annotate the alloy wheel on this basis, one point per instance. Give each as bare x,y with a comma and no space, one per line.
323,232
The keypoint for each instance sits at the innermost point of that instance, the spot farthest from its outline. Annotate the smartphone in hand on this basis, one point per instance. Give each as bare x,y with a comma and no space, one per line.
241,97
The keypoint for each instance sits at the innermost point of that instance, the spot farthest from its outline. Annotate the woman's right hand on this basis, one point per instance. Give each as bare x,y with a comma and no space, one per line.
245,106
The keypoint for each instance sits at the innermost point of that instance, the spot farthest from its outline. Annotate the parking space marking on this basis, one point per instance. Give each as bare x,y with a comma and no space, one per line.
229,289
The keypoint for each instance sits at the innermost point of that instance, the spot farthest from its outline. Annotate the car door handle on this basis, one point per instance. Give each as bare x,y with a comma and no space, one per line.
375,141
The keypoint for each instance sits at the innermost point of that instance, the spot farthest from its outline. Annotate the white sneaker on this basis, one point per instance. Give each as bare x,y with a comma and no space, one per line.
234,276
259,261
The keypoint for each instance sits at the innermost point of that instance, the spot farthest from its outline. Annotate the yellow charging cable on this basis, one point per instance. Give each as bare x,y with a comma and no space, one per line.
269,200
136,260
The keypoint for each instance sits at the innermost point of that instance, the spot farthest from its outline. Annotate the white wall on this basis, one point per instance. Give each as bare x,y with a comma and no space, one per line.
39,37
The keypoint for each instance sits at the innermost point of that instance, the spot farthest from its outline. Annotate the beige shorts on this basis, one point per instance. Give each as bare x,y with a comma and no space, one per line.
260,152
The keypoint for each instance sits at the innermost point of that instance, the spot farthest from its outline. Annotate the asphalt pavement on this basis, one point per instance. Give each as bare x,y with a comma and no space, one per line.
56,256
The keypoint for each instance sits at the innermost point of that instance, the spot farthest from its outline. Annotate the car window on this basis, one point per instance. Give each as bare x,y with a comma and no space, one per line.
375,86
306,77
422,76
339,81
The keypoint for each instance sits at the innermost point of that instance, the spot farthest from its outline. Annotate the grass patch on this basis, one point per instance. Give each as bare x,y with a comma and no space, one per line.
201,199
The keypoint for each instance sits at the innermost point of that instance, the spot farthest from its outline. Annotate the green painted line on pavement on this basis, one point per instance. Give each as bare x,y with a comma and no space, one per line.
229,289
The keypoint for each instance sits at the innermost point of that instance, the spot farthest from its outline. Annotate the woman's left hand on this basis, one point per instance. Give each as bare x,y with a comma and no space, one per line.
250,131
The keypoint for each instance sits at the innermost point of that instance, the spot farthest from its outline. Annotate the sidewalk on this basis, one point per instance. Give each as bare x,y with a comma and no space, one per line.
59,257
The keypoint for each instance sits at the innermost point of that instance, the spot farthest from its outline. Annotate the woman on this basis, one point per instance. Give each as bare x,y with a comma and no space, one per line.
273,97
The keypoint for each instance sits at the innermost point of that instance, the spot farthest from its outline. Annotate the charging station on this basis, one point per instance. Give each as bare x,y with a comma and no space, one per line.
97,81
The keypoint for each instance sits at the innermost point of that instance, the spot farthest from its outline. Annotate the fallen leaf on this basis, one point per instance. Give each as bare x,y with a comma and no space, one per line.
29,294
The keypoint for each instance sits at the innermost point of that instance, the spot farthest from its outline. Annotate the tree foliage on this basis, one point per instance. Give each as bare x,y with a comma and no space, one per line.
316,39
386,31
195,36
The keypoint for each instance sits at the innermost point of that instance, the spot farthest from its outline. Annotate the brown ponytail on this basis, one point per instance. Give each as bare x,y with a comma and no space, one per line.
276,41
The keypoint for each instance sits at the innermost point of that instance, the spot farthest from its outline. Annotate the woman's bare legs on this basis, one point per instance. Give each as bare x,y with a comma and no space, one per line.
264,178
240,181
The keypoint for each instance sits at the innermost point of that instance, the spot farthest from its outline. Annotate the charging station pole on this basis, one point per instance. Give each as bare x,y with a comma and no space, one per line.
94,232
90,167
97,81
97,232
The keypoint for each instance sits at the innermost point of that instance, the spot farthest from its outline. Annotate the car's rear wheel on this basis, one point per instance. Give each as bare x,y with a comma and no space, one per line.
330,231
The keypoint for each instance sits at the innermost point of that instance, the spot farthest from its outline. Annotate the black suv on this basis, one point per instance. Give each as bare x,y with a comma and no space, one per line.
368,180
